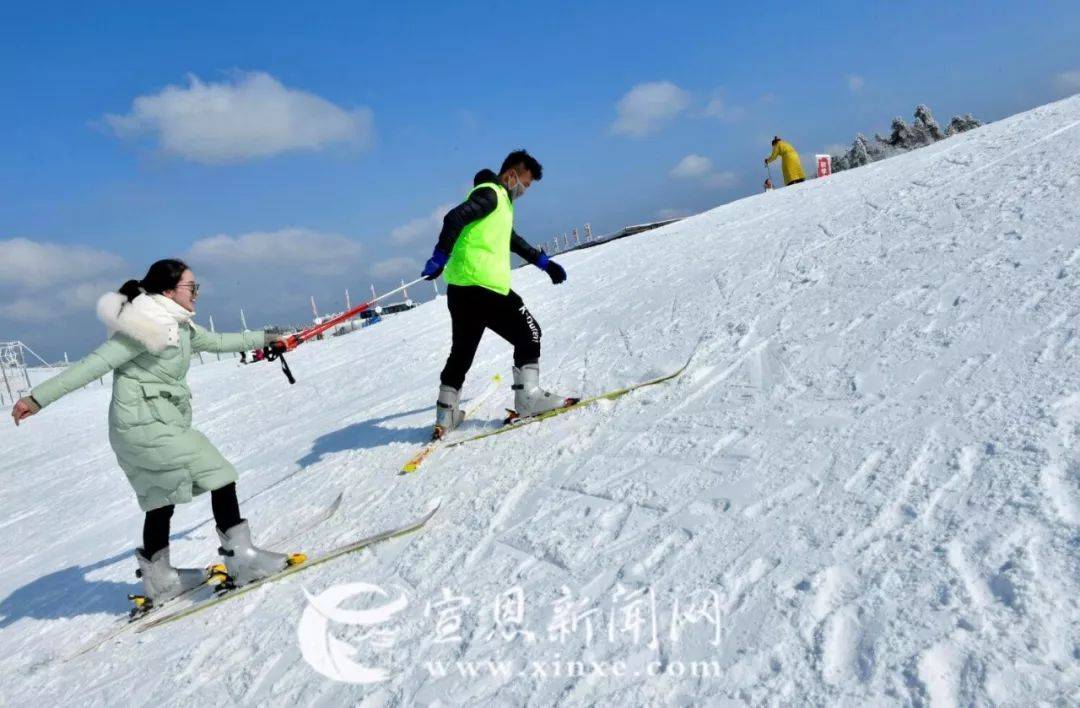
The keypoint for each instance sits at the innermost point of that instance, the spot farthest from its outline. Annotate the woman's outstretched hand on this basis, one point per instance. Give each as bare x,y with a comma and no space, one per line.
23,409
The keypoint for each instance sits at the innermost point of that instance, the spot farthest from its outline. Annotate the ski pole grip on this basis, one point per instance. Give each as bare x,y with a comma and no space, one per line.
271,353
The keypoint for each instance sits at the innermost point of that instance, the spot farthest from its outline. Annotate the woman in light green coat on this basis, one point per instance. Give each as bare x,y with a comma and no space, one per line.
166,461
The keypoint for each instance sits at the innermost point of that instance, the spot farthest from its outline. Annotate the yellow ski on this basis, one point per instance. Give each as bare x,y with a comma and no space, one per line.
423,453
609,396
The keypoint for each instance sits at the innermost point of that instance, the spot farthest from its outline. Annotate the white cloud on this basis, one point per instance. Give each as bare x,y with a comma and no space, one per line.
856,83
84,296
37,266
692,166
76,297
719,109
422,227
250,115
646,107
1068,81
26,309
398,267
720,180
293,250
48,292
716,108
697,167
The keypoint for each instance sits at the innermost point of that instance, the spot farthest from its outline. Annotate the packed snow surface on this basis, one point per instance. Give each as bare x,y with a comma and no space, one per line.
863,489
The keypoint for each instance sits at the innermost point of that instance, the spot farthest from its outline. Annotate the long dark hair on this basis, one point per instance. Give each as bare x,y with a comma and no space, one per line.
162,275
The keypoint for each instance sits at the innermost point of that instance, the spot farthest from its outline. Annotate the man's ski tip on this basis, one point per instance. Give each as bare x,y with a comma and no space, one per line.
416,460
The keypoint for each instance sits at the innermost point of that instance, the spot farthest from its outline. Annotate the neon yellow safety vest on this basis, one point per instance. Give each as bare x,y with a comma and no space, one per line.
481,255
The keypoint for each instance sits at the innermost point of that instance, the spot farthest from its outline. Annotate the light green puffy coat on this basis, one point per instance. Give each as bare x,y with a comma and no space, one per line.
165,459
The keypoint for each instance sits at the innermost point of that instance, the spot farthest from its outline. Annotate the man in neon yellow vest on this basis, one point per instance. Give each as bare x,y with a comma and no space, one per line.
473,254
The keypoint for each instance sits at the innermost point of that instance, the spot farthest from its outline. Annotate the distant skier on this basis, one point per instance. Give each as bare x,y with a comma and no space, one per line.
166,460
474,249
789,160
768,184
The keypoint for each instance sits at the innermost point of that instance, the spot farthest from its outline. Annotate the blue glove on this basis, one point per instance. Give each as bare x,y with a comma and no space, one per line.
434,266
553,269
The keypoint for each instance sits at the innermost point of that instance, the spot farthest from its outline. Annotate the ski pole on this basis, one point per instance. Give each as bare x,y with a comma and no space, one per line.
271,352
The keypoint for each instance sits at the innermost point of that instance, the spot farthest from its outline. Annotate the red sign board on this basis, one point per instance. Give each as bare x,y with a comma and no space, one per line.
824,165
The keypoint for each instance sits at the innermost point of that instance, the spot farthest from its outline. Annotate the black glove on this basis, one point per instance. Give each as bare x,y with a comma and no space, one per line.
555,271
277,346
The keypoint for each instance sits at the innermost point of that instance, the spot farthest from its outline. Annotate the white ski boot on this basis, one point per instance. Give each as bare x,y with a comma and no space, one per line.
246,563
161,581
448,414
529,398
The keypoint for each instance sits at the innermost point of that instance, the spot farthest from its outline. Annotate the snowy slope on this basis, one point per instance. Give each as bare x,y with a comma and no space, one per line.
869,474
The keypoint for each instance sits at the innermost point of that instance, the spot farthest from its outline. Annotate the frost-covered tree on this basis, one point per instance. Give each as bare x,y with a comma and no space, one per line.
901,134
877,150
925,126
960,124
903,137
860,152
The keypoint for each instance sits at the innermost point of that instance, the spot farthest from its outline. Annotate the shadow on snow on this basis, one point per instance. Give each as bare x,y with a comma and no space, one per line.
365,435
68,593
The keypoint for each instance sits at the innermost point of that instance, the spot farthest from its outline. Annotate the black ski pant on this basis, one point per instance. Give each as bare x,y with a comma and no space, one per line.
156,525
474,309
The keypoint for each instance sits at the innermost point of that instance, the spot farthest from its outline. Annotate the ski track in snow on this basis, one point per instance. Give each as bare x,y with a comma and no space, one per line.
873,460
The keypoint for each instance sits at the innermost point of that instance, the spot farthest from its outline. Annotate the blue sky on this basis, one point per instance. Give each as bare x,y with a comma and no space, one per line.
347,127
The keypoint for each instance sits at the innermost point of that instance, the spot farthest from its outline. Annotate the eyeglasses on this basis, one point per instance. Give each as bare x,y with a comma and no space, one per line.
194,287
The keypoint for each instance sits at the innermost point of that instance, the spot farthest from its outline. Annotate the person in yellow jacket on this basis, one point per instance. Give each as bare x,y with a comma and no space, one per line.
789,160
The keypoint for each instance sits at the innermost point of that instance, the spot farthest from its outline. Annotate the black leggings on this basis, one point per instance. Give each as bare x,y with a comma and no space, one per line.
474,309
156,525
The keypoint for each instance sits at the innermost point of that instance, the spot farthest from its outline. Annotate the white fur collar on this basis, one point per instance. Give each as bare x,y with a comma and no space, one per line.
153,320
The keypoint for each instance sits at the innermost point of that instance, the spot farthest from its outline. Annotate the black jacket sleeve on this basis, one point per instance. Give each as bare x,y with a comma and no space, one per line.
523,248
479,204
